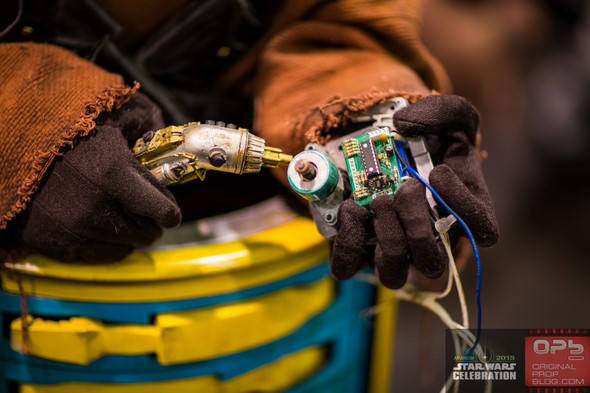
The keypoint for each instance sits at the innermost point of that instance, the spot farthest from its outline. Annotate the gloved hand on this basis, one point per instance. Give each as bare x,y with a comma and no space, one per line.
97,202
401,223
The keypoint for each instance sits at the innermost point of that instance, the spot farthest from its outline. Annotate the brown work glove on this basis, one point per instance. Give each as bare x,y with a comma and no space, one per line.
402,225
97,202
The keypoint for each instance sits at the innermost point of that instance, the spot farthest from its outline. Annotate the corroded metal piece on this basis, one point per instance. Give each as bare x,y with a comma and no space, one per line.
178,154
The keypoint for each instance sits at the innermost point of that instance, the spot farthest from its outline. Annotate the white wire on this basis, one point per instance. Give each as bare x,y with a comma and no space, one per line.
429,300
453,267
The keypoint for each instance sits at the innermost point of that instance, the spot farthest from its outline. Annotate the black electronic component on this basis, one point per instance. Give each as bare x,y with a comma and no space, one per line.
371,165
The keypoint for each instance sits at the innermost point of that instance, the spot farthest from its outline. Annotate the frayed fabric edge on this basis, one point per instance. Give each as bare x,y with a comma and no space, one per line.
338,111
111,98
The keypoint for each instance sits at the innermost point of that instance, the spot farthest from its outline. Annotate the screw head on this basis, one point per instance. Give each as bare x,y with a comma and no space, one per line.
217,157
148,136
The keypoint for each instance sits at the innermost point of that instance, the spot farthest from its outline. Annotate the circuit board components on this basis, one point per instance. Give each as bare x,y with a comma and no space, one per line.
366,163
372,165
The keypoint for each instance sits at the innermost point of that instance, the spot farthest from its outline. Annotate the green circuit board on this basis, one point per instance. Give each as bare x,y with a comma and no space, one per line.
373,168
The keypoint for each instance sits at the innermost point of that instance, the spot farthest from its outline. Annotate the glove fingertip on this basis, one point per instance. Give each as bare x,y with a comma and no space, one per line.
171,217
438,113
348,251
343,269
434,270
477,212
391,255
393,282
347,259
392,272
431,261
488,235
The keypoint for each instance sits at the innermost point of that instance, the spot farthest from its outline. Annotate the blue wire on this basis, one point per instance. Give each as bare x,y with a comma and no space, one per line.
473,245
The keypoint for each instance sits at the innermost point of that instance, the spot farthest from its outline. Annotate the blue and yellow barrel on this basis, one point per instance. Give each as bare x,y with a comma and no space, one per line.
234,304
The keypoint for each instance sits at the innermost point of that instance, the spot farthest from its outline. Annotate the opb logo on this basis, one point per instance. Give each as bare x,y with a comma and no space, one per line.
552,346
557,361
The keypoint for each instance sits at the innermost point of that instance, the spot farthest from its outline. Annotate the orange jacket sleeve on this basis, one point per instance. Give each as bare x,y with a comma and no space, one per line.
49,97
327,60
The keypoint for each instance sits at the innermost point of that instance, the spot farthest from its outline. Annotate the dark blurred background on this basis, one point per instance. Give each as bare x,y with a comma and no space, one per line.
526,65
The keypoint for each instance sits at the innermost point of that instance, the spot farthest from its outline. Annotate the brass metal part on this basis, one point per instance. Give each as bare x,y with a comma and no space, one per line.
274,157
177,154
351,147
155,143
361,192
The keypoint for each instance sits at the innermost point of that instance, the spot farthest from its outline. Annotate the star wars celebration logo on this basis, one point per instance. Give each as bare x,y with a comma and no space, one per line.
484,365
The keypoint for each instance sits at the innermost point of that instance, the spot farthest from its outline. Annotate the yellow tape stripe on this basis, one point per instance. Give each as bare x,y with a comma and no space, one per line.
177,337
274,377
280,242
165,290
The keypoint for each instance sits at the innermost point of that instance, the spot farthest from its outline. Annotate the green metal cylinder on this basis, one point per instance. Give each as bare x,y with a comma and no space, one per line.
318,184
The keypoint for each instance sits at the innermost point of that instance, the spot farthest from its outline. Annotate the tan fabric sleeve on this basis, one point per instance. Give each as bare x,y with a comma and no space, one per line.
339,58
49,96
